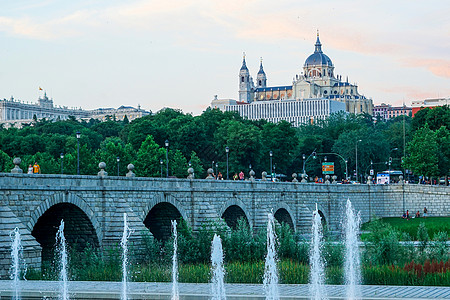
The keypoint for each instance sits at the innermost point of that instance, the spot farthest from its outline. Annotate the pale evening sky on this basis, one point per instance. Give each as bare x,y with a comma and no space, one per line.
180,53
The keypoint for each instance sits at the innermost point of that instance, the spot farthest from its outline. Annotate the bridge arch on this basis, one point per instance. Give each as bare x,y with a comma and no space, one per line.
158,220
323,220
158,213
79,220
232,211
65,198
283,214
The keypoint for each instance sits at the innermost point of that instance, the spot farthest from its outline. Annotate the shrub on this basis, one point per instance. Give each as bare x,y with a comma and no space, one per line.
241,245
422,237
333,253
439,248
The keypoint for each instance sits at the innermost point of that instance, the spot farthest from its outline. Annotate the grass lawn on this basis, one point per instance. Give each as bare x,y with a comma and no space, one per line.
433,224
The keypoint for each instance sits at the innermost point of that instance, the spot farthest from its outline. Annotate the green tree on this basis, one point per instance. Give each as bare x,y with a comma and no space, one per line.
443,141
196,164
148,158
108,128
281,139
178,164
423,153
6,163
244,142
114,147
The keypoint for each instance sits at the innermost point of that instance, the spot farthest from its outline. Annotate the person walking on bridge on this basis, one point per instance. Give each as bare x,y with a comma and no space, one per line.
36,168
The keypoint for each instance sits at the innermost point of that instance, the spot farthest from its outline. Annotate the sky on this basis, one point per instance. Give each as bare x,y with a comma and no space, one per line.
180,53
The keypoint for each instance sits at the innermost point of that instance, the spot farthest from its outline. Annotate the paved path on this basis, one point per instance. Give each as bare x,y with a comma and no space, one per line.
143,290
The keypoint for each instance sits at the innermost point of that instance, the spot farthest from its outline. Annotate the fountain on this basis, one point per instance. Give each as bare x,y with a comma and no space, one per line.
317,264
218,271
352,265
175,292
124,245
16,255
63,261
270,269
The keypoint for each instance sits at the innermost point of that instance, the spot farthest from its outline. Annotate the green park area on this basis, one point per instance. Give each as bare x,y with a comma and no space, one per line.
434,225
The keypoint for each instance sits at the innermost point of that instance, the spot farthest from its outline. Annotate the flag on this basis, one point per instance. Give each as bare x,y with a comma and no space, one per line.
40,88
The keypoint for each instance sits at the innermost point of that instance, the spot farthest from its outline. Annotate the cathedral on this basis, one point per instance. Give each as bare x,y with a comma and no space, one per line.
318,80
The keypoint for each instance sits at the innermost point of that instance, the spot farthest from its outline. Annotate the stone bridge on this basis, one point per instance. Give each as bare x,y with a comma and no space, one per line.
92,207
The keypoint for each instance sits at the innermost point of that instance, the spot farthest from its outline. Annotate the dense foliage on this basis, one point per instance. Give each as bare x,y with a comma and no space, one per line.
201,140
385,259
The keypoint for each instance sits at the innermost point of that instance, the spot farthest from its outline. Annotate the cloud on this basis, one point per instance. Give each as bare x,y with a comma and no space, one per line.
24,27
439,67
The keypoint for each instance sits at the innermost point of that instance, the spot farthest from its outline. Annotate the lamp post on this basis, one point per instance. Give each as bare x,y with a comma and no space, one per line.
356,151
167,158
274,172
161,162
78,152
390,158
217,170
271,170
304,157
346,169
62,163
227,150
118,161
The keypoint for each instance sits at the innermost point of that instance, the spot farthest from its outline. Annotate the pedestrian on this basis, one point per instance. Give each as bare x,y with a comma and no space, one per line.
425,211
235,176
241,175
219,176
407,214
30,169
36,168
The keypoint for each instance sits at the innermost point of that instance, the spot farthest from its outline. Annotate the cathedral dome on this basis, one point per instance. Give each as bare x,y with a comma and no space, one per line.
318,57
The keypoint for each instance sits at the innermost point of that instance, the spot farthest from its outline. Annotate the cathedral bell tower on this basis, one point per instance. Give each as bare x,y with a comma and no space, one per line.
245,84
261,79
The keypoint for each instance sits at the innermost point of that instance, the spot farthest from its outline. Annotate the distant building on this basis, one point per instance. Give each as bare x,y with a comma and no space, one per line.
428,103
15,113
387,111
314,94
293,111
118,114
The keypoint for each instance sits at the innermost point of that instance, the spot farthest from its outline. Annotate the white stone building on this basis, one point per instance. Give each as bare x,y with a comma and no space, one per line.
15,113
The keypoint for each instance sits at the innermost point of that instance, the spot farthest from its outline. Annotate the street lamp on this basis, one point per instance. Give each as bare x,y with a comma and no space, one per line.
271,170
217,172
346,169
274,173
356,151
390,158
78,152
62,165
227,150
118,161
167,158
161,162
304,157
